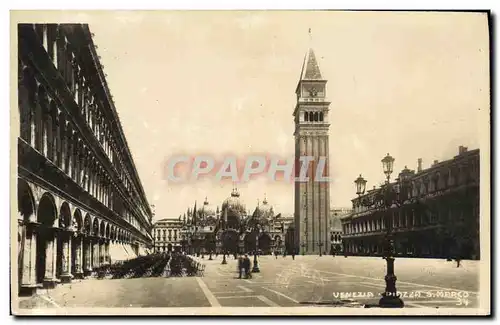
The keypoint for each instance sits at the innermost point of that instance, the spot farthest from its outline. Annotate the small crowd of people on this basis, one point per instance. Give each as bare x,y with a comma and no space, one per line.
244,266
276,253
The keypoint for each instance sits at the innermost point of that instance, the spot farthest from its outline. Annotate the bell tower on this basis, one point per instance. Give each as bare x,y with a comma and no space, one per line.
312,195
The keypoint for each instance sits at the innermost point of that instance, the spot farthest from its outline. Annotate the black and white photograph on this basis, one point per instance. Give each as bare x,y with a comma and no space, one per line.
250,162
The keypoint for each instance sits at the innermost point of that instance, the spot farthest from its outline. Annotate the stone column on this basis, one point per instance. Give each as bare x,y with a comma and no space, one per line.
87,270
27,279
66,275
78,242
101,252
95,253
108,258
50,279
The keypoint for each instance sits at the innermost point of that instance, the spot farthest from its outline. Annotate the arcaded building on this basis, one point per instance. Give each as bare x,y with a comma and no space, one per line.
437,215
80,199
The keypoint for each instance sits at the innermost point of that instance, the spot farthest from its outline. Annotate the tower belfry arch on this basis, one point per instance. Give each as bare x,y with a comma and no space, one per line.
312,196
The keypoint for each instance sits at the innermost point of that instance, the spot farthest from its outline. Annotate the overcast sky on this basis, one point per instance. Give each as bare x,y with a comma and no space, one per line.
409,84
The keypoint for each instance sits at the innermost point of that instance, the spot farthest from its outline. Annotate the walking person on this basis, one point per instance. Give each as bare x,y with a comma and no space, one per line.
246,266
240,266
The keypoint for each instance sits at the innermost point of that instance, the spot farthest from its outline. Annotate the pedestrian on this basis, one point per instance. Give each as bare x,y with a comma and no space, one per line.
246,266
276,254
240,266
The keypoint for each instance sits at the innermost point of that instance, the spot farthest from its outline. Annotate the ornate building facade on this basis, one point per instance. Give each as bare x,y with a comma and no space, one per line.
312,196
80,199
232,229
167,235
335,224
438,217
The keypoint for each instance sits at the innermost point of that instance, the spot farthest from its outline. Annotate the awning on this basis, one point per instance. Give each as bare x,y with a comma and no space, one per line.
117,253
130,251
142,251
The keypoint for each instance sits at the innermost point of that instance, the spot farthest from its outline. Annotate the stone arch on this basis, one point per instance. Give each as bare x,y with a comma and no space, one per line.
95,227
265,243
65,221
87,224
47,216
277,240
47,211
107,233
102,229
230,241
25,201
78,220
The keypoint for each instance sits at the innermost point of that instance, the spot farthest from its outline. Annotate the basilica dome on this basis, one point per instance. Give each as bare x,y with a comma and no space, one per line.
263,214
208,210
265,210
233,211
234,205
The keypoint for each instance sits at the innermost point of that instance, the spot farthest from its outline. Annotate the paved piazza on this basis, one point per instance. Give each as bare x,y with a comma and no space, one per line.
307,280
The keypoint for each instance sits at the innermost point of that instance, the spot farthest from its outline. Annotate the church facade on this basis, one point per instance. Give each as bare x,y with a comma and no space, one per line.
232,229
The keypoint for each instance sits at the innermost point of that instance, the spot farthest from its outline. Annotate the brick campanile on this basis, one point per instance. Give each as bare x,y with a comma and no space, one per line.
312,197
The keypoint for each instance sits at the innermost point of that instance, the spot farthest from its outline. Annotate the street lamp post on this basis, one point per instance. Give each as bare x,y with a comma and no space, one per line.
320,244
390,298
255,268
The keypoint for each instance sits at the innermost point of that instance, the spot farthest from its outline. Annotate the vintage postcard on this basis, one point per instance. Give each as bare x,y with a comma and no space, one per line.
250,163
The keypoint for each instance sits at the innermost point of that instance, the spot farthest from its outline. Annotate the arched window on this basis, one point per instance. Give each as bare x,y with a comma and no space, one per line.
321,116
306,116
41,111
78,92
26,103
47,132
74,156
316,117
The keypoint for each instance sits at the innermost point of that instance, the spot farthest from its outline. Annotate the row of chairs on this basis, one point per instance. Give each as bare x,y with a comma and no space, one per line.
142,266
181,265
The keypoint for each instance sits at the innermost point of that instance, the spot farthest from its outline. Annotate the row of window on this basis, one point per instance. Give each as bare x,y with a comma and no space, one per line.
90,108
410,219
440,181
313,116
47,129
159,231
165,238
